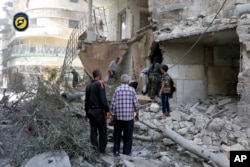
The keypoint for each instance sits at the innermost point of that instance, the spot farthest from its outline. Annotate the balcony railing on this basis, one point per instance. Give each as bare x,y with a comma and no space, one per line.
35,50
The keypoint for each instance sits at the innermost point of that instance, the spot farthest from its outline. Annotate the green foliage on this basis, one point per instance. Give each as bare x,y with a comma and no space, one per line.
53,75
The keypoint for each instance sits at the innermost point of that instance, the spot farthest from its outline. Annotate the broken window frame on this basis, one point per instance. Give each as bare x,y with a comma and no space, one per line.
122,17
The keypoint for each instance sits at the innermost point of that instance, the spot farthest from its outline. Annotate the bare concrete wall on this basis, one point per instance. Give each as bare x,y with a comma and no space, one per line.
243,87
134,53
222,72
132,18
189,75
204,71
99,55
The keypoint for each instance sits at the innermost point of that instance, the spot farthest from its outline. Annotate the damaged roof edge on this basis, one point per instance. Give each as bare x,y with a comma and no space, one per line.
183,34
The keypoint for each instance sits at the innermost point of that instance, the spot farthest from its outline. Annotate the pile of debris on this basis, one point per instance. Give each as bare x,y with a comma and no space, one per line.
210,126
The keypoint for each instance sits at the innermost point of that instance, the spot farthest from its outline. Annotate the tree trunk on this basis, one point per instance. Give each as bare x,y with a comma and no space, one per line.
148,138
218,159
72,96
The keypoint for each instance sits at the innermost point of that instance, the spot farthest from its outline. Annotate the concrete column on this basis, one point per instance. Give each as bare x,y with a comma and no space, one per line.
243,87
90,4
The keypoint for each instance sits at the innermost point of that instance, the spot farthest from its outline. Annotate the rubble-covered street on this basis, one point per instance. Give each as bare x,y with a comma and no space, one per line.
212,124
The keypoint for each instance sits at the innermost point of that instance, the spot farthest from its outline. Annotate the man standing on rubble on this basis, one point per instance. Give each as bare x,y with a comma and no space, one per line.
113,68
154,77
97,110
75,78
123,106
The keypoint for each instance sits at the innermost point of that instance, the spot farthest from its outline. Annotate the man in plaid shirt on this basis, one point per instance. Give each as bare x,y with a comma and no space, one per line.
123,106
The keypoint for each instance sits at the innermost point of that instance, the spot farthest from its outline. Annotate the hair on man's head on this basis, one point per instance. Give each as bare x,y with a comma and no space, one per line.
124,78
164,67
96,73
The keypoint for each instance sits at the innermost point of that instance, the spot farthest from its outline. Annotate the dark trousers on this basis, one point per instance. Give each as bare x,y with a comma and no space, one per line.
112,76
98,126
165,103
74,83
127,128
153,85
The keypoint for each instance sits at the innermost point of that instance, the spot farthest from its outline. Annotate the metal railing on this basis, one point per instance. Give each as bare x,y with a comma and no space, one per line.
35,50
71,51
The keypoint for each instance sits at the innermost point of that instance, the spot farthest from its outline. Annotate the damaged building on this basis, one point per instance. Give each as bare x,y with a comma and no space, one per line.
40,49
205,44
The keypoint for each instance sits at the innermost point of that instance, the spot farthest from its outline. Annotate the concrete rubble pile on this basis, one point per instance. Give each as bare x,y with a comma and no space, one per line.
212,124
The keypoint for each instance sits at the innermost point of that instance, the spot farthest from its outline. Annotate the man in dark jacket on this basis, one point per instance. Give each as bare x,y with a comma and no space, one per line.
97,109
75,78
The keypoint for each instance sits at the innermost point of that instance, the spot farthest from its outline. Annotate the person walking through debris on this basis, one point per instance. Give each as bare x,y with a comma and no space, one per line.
144,78
113,68
154,75
97,110
123,106
133,82
75,78
165,91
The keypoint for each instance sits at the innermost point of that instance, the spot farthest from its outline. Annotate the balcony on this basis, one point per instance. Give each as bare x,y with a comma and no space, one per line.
41,50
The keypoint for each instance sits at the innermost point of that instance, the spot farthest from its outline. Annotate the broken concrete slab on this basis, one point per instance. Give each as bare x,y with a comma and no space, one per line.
154,134
201,108
236,147
183,131
216,125
143,99
224,102
176,115
200,122
129,161
211,109
168,142
49,159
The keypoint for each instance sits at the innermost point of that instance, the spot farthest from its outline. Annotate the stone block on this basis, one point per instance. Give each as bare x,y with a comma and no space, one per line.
183,131
154,107
49,159
216,125
143,99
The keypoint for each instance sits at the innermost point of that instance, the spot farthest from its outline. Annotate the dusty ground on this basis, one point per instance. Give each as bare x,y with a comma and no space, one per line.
24,134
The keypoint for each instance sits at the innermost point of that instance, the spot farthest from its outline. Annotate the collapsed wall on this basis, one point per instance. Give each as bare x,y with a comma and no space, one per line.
134,54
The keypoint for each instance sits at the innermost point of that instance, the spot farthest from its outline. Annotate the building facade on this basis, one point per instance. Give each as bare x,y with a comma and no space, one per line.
40,48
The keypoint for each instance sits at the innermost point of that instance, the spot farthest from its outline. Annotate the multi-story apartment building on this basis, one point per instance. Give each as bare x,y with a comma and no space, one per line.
40,48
